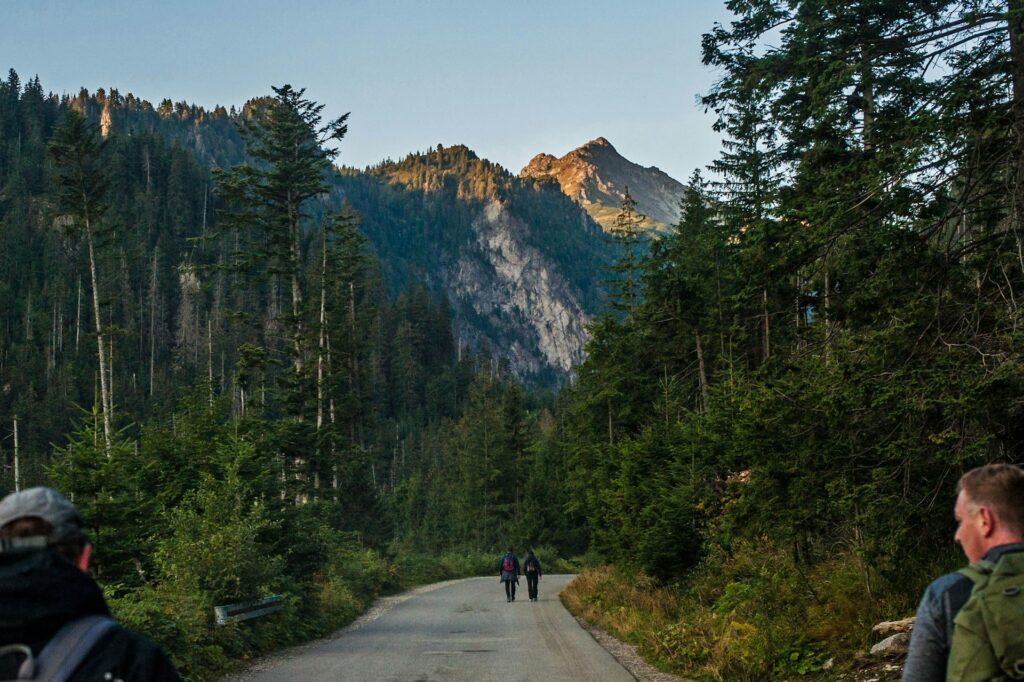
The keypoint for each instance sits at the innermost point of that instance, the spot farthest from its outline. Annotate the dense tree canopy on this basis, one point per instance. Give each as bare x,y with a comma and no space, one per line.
831,334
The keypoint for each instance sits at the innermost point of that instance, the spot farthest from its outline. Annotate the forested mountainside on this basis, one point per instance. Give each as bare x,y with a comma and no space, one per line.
521,264
190,299
598,177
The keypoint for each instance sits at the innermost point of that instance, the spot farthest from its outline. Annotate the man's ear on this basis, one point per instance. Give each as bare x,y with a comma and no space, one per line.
83,559
987,520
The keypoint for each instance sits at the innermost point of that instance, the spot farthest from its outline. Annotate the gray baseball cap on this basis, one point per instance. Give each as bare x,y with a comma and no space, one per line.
50,506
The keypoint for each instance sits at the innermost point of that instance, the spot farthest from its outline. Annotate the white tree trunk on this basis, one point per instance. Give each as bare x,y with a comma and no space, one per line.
100,340
17,465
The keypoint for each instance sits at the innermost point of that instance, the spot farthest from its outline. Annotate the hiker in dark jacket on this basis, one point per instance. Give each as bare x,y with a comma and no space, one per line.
531,567
45,590
990,526
508,569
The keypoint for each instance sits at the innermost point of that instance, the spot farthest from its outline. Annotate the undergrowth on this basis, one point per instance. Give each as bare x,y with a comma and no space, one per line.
752,614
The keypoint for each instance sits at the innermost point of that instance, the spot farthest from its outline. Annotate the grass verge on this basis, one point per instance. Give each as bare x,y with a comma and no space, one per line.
750,615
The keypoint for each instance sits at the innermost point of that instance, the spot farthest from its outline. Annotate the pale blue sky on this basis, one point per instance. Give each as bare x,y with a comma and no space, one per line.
507,78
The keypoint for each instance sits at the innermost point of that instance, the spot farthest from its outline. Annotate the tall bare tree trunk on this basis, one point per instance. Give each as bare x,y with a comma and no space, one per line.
766,331
78,316
703,375
110,374
17,464
322,347
1015,26
330,402
100,339
209,356
51,360
152,326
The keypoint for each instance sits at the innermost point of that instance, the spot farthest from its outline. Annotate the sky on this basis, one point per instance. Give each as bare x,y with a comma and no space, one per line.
509,79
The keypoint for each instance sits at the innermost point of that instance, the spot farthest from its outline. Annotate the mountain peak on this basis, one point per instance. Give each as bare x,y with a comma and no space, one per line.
596,176
598,142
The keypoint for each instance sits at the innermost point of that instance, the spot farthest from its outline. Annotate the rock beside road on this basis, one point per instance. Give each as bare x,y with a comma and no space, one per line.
892,646
892,627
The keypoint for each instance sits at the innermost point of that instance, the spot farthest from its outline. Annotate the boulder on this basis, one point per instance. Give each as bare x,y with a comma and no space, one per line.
894,645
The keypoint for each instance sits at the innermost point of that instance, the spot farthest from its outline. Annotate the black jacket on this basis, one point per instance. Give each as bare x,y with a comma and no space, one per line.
40,591
535,562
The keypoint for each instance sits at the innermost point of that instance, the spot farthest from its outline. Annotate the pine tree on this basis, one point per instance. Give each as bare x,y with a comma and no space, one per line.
271,197
629,238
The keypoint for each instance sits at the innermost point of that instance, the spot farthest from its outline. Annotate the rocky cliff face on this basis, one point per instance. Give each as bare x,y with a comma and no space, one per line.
521,264
519,294
596,176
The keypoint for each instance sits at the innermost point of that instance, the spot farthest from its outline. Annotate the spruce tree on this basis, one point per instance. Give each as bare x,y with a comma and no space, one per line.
270,197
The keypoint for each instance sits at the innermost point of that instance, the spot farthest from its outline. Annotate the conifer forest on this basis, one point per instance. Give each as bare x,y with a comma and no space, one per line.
224,345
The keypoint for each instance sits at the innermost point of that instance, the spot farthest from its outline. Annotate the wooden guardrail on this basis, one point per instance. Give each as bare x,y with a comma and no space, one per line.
230,613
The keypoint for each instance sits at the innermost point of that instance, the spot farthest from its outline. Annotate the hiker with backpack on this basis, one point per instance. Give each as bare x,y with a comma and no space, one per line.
531,567
508,569
970,624
54,621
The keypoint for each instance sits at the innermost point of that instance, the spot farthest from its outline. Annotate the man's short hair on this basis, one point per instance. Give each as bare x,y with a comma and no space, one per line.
41,517
1000,487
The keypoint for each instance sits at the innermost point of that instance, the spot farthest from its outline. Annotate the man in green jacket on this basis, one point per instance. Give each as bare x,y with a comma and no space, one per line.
945,644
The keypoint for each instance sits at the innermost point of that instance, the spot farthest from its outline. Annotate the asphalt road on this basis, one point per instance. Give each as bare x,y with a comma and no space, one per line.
464,630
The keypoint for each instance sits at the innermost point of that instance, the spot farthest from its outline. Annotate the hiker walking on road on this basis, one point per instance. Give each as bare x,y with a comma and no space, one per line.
970,624
531,567
54,622
508,568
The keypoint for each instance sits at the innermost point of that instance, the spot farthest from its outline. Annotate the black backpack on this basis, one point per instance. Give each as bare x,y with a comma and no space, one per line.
62,654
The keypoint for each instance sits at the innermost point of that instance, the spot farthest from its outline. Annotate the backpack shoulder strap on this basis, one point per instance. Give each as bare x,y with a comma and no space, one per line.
70,646
27,669
1011,563
979,571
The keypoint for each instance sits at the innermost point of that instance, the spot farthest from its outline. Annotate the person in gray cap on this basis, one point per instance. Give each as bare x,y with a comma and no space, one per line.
54,622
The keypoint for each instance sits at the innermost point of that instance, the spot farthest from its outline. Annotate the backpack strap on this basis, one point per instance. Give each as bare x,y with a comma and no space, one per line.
979,571
27,669
70,646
